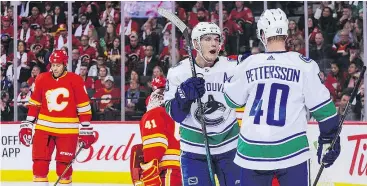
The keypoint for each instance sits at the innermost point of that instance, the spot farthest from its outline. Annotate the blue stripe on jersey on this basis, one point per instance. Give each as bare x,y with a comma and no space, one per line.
273,142
320,105
274,159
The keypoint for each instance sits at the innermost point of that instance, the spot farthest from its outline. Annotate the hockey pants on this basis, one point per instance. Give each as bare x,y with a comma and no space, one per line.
194,168
44,144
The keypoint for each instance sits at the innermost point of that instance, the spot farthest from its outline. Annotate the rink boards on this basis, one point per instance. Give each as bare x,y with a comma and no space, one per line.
108,160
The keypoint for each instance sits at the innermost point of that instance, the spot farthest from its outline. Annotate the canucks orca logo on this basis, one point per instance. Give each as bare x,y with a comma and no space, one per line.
214,112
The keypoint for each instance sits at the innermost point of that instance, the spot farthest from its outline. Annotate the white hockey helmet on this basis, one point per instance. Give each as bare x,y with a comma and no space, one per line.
204,28
272,22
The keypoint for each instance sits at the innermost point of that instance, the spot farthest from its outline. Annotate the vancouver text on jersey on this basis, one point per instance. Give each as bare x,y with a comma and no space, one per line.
270,72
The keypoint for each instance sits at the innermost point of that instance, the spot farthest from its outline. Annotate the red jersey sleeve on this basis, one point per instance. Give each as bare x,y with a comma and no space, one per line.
154,137
36,98
82,100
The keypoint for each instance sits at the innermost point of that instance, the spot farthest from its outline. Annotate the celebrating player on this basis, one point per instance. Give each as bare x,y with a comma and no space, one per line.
181,92
276,87
58,105
161,146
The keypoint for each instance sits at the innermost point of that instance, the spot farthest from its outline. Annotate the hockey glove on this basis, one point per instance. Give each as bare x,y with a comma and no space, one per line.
326,155
25,133
190,90
150,175
86,136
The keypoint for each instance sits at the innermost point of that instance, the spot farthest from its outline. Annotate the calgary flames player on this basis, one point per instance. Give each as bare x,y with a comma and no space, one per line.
58,105
161,147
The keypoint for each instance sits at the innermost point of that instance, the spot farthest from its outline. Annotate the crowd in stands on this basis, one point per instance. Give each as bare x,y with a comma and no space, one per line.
335,38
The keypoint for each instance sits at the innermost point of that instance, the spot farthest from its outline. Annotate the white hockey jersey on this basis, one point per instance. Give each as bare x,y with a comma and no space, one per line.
277,87
220,119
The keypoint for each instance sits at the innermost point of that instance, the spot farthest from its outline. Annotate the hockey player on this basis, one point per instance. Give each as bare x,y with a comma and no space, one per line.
277,86
181,92
58,105
161,146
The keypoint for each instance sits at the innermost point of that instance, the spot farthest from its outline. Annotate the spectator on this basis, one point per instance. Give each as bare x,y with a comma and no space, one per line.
38,37
335,81
293,33
214,15
84,26
48,10
328,25
355,56
25,33
157,72
108,99
342,49
86,49
180,12
26,60
145,67
93,14
133,98
6,111
6,28
109,36
10,15
313,30
48,26
150,37
353,75
297,45
22,101
114,57
353,114
5,82
195,18
88,81
59,16
231,31
242,15
93,37
301,20
108,16
130,26
134,51
102,74
75,57
322,53
61,39
36,17
36,70
94,69
347,16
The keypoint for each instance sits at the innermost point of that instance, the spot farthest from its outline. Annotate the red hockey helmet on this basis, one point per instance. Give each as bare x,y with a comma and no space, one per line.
59,56
158,82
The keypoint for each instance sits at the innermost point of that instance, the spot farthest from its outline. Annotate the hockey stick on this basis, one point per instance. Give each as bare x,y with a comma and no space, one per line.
342,118
71,162
183,28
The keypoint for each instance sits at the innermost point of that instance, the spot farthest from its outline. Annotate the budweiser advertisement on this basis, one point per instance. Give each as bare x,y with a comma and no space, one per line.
107,161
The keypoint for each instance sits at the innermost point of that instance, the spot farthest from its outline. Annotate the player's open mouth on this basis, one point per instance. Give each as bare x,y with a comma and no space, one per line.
212,51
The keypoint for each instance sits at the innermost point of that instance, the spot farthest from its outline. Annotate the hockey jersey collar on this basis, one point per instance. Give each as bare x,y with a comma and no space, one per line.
66,72
276,52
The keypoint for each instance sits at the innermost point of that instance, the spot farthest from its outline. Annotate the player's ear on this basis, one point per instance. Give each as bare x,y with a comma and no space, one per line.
196,45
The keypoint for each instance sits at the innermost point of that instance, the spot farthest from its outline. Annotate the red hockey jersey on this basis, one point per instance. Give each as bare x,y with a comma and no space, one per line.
160,136
59,105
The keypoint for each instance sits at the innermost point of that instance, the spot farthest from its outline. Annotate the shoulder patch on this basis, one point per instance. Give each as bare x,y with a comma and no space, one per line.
232,58
305,59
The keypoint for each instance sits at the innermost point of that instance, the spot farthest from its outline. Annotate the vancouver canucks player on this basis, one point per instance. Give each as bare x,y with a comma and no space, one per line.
181,92
276,87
